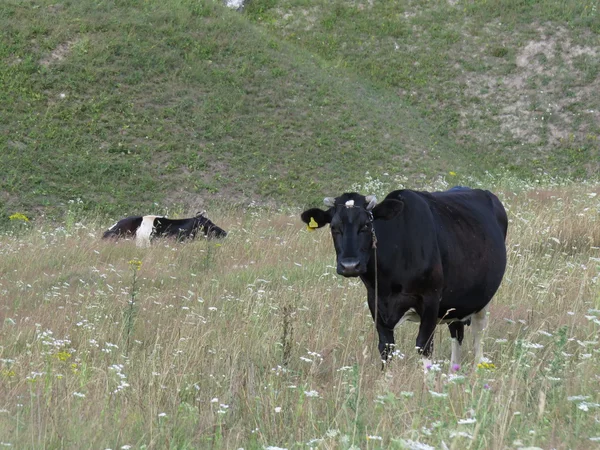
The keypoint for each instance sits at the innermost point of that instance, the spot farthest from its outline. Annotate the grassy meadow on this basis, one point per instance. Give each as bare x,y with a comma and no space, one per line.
110,108
254,342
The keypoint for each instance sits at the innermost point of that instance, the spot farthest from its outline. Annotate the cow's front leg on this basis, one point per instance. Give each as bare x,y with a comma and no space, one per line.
386,343
386,317
429,317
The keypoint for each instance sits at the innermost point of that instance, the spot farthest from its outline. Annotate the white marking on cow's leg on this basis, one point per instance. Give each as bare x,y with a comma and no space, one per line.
479,322
143,233
455,358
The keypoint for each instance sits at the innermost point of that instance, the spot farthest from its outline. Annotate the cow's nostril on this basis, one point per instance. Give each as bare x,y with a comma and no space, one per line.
349,264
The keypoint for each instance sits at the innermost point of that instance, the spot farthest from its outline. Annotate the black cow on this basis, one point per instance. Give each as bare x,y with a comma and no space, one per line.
425,257
143,228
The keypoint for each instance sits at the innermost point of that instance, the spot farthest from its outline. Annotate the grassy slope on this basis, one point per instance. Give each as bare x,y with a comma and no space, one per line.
126,104
513,80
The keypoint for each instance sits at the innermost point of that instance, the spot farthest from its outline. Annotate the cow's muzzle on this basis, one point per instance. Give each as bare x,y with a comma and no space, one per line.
349,267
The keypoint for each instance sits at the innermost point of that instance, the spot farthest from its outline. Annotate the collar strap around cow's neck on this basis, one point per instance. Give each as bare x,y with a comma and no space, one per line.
374,236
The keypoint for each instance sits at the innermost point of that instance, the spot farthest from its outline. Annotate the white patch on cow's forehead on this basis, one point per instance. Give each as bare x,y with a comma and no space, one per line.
350,204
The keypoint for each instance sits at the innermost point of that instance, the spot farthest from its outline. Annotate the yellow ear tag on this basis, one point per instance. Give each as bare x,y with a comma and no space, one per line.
312,224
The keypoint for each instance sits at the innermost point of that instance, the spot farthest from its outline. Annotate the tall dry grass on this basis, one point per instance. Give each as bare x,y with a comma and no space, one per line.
255,342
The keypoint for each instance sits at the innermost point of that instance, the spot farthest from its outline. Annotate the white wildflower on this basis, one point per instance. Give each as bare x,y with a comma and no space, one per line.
532,345
409,444
312,393
575,398
467,421
585,406
374,438
461,434
438,394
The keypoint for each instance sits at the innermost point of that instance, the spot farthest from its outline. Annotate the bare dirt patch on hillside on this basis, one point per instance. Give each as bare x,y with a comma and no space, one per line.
58,54
547,100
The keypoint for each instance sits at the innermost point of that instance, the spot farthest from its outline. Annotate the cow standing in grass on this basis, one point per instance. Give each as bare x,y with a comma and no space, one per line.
144,228
425,257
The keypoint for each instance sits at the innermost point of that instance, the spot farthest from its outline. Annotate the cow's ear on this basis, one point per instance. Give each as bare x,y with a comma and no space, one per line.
316,218
388,209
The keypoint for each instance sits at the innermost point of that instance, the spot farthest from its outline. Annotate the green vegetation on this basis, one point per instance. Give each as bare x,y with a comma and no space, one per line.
138,105
512,82
118,107
123,104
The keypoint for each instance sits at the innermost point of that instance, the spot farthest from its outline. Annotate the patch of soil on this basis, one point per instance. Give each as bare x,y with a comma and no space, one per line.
545,100
58,54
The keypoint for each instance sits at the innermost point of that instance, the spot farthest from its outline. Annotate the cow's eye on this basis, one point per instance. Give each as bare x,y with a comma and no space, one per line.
336,230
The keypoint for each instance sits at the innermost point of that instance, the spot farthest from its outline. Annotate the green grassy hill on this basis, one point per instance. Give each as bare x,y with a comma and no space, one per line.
132,106
513,80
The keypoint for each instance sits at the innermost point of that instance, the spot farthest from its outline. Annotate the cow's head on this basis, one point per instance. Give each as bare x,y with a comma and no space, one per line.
351,219
209,229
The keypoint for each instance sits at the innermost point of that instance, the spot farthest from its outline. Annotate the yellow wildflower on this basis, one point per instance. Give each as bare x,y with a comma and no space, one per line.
135,264
486,366
452,174
63,356
8,373
19,216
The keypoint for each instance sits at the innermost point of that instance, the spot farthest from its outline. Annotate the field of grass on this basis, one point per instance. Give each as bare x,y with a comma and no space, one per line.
254,342
119,107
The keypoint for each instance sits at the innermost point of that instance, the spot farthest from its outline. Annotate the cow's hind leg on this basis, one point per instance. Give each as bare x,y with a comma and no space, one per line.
457,332
479,322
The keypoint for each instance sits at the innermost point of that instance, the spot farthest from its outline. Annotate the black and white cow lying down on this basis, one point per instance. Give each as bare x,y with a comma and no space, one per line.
439,258
144,228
